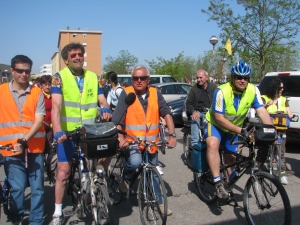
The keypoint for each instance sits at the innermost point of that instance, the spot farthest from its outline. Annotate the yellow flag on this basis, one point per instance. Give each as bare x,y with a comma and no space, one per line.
228,46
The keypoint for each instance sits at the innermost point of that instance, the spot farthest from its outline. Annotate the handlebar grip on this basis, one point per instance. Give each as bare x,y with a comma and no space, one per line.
122,132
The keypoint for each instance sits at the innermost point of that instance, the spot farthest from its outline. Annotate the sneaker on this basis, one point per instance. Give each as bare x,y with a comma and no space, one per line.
221,191
161,208
159,169
231,200
284,180
57,220
124,187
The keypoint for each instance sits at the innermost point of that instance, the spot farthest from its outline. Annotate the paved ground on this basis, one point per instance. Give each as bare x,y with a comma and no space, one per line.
182,196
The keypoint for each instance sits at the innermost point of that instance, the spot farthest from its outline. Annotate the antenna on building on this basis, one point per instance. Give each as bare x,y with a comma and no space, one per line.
78,28
68,28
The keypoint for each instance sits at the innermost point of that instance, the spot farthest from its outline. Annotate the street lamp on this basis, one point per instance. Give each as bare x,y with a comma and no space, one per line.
213,40
127,67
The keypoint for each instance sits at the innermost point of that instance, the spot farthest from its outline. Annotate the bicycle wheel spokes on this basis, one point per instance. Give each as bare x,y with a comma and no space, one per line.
103,214
152,197
113,189
266,201
205,187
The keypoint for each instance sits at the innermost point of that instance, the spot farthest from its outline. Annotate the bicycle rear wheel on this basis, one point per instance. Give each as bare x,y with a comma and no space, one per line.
152,197
114,178
205,187
266,201
187,152
5,196
104,208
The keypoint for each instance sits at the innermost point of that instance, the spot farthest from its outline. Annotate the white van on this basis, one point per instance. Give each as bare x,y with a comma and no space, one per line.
291,82
153,79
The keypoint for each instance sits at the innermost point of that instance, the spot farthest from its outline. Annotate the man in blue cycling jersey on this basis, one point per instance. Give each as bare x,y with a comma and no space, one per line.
230,104
75,93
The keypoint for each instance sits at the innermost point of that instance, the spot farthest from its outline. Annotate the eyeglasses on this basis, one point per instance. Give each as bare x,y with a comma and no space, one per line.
21,71
280,88
74,55
143,78
246,78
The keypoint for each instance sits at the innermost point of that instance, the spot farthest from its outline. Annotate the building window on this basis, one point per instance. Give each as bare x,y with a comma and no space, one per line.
74,35
85,64
84,44
83,35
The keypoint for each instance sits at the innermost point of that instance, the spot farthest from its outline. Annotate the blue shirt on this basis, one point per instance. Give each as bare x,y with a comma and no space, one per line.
218,102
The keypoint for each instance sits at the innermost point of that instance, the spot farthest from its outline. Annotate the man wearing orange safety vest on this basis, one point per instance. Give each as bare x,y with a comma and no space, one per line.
141,120
22,112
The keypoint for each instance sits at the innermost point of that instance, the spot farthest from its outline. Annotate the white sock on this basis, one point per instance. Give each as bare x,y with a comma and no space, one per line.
58,209
217,178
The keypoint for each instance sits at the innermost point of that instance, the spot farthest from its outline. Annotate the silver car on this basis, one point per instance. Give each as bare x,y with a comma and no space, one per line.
174,90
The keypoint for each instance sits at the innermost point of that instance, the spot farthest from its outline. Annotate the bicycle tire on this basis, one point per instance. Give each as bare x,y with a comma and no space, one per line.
114,177
147,199
205,187
6,197
187,153
105,213
258,197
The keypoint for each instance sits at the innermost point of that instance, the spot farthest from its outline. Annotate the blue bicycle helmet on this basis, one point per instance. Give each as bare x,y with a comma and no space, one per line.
241,69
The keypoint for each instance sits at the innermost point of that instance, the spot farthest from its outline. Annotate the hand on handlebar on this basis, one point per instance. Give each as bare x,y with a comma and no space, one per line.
171,142
105,113
18,148
60,136
196,115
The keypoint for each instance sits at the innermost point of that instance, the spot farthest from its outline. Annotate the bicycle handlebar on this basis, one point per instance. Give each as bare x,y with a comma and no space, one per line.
8,147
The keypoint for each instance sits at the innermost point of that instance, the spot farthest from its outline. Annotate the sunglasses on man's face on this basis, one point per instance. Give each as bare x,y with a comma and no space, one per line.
21,71
246,78
280,88
143,78
74,55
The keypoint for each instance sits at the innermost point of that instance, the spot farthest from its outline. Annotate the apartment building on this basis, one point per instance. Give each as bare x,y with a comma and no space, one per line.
90,39
55,62
46,69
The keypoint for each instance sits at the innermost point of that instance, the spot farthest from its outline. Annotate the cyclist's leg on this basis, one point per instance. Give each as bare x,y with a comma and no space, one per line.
195,132
229,158
283,149
36,180
133,160
15,171
153,159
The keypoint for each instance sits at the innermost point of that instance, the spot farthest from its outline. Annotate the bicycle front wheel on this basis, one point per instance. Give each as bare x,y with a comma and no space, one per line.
187,152
114,179
152,197
104,213
266,201
205,187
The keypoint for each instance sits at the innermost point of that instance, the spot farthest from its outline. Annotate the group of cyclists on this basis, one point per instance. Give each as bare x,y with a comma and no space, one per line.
76,97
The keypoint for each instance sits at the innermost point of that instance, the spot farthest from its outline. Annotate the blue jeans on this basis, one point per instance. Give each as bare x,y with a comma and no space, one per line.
18,178
195,126
133,160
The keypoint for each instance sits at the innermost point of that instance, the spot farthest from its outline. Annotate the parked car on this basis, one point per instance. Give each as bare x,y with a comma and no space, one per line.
153,79
177,109
173,91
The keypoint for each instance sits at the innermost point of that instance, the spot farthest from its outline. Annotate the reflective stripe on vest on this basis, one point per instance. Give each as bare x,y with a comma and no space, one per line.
78,109
141,125
273,108
14,124
236,117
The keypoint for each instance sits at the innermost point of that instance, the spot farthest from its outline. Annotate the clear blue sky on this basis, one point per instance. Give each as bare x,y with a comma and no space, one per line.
146,28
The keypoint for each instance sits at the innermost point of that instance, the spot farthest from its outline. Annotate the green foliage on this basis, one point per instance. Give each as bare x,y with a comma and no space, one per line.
121,63
259,29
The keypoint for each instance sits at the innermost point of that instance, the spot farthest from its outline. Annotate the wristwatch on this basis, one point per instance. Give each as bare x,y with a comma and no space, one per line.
173,135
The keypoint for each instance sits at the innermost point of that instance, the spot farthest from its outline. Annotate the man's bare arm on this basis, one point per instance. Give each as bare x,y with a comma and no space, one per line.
55,112
171,129
102,101
264,115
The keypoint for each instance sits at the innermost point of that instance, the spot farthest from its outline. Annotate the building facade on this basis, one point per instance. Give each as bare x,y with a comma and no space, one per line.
46,69
91,40
55,62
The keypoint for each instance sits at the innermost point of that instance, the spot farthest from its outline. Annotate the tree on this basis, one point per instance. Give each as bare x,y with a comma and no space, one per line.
121,63
264,28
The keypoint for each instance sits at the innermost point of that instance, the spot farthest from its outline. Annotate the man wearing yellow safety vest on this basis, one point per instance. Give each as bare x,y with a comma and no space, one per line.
75,93
22,112
230,104
141,119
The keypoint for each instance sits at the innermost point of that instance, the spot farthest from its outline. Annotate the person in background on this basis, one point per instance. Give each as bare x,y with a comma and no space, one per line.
38,82
275,102
75,93
22,112
115,90
124,85
199,99
105,86
145,112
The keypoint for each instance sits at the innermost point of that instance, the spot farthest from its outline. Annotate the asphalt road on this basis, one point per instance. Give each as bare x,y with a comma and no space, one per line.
182,195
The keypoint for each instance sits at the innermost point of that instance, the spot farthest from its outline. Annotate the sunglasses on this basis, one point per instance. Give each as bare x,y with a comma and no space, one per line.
246,78
74,55
21,71
280,88
143,78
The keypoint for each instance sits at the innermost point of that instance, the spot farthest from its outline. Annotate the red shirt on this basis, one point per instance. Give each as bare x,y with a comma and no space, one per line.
48,107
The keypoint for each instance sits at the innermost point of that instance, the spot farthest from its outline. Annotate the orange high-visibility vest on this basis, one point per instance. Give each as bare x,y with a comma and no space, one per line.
141,125
14,124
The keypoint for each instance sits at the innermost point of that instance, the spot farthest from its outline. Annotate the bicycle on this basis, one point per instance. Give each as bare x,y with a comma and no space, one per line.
187,145
150,179
264,198
87,185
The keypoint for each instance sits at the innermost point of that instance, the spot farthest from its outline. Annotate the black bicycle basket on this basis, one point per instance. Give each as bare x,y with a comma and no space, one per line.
264,134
